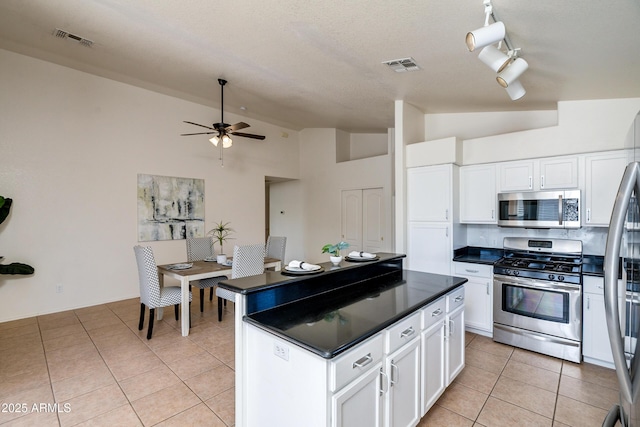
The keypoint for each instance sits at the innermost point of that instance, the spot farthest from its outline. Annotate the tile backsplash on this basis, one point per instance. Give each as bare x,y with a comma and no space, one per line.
593,238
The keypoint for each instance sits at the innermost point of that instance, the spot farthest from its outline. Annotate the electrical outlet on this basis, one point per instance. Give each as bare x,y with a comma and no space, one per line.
59,288
281,350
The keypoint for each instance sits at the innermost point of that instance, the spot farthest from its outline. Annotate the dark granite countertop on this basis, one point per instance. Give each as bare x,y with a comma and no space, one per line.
329,323
477,255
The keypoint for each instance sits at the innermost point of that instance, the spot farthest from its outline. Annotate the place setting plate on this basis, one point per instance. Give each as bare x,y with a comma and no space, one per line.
182,266
361,259
210,259
297,271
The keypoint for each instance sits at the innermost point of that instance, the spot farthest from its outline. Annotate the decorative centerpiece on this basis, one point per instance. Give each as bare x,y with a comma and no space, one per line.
14,267
221,233
334,251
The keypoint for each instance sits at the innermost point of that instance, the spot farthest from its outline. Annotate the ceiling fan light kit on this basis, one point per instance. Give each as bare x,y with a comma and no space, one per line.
222,131
509,65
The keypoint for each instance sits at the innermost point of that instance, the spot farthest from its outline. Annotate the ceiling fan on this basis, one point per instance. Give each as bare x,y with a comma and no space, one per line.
222,131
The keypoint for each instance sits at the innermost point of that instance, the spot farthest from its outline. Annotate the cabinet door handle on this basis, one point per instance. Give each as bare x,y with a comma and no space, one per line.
487,285
530,182
394,378
446,232
451,325
446,214
436,313
471,271
383,378
458,298
541,181
493,214
363,361
588,302
407,332
589,215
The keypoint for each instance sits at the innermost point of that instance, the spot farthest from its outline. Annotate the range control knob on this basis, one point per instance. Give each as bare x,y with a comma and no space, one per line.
516,272
551,277
561,278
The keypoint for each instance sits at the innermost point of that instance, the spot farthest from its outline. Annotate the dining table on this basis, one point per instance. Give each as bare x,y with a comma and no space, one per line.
197,271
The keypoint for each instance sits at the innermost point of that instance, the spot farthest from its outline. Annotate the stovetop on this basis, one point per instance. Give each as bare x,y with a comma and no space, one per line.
529,258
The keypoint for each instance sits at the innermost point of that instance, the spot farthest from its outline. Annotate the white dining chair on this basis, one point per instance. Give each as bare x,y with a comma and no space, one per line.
248,260
276,246
199,248
151,294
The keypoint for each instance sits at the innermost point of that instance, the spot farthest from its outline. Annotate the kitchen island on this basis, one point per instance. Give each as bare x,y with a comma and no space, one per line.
310,349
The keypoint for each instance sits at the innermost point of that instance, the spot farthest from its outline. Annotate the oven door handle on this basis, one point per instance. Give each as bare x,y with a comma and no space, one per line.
537,284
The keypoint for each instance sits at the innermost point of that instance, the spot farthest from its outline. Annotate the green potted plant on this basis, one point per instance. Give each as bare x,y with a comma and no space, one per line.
14,267
220,234
334,251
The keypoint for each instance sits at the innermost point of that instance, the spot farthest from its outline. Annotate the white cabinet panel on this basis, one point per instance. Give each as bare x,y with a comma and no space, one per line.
558,173
478,194
402,400
429,193
358,404
603,173
455,343
433,360
539,174
478,295
429,247
516,176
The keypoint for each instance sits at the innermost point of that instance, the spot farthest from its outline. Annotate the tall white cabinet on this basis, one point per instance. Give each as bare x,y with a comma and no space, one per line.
603,173
432,217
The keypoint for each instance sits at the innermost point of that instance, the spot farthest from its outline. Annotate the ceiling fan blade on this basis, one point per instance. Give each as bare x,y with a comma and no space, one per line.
191,123
247,135
237,126
199,133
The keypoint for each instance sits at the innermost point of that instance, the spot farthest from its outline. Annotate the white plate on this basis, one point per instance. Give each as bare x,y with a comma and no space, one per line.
300,270
210,259
180,266
227,263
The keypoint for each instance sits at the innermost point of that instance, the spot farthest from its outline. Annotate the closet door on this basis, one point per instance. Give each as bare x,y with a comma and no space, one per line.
372,220
352,219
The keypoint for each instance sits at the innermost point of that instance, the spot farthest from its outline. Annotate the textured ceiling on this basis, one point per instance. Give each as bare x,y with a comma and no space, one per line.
303,64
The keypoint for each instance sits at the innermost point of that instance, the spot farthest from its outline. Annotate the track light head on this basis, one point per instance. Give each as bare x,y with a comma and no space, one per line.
512,72
494,58
515,90
483,36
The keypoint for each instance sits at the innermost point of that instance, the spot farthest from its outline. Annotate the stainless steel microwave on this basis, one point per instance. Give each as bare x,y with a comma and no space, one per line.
539,209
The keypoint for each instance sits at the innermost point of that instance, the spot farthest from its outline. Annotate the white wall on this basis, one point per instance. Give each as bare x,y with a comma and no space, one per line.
322,180
71,146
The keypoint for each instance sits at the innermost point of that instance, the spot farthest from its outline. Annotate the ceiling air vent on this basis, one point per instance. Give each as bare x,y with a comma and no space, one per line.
67,35
402,65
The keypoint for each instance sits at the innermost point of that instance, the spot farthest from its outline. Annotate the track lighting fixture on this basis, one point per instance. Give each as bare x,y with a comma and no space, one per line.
512,72
509,65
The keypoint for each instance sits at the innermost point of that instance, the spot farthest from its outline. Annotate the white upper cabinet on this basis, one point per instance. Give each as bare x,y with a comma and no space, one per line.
478,194
429,193
603,173
539,174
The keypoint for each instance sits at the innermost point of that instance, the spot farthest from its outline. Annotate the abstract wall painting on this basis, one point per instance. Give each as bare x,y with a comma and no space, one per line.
170,208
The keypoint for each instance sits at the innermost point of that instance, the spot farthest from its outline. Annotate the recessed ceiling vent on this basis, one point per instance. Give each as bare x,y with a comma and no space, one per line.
67,35
402,65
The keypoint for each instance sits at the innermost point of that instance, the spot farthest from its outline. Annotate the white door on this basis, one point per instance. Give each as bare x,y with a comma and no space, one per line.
352,218
363,219
373,220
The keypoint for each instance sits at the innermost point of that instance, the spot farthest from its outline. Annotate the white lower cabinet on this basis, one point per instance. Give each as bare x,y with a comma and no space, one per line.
432,356
596,347
358,403
478,316
389,380
401,373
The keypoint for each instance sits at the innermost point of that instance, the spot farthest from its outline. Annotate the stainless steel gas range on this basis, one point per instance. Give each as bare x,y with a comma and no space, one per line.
538,296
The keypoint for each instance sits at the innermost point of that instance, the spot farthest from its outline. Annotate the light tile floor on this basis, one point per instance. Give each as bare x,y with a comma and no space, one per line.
101,371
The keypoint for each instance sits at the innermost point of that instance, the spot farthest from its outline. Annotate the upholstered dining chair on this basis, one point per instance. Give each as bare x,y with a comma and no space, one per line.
199,248
276,246
151,294
248,260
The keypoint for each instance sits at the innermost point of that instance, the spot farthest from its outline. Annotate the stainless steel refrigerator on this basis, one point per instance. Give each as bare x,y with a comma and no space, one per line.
622,261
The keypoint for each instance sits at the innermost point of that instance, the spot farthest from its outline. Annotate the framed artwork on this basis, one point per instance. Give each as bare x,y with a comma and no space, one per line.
170,208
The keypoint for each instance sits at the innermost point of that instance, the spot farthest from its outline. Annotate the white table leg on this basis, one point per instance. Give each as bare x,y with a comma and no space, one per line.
184,287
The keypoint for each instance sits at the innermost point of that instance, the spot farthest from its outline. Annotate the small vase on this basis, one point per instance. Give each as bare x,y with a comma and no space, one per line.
335,260
221,259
